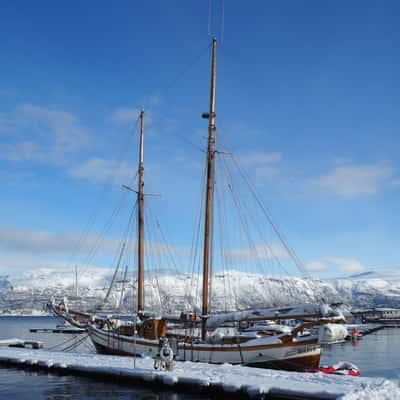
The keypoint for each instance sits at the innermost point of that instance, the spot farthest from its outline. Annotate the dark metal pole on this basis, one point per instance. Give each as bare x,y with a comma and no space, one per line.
209,193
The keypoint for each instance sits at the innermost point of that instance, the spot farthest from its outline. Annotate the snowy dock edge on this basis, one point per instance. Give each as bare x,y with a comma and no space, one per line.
238,381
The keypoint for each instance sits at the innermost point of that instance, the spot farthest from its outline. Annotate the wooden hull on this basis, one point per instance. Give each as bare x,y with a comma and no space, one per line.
101,349
299,364
262,353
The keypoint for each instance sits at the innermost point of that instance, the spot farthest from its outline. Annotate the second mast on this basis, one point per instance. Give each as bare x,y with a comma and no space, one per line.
140,200
207,256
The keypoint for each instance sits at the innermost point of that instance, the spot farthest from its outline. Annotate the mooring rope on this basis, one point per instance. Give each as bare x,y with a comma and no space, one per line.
63,343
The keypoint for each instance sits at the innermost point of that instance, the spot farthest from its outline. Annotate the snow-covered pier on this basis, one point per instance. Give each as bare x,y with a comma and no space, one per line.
15,342
365,329
211,379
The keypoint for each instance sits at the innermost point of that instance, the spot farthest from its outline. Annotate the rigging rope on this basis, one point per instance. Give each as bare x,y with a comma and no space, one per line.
223,22
121,252
122,290
210,13
63,343
111,173
264,239
242,219
209,17
164,249
190,286
266,212
185,69
73,346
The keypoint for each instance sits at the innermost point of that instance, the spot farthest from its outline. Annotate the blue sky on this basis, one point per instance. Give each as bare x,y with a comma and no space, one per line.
307,97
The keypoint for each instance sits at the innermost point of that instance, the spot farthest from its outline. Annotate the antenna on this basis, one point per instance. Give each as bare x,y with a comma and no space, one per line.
210,31
209,17
222,22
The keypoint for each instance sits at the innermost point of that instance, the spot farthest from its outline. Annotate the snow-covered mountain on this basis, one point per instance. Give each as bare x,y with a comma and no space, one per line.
45,279
369,289
5,284
231,290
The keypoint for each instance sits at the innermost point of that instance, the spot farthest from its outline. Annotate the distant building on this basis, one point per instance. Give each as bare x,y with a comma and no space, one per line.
387,313
380,314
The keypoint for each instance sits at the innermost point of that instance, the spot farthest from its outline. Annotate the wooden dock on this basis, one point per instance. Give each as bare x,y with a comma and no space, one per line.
364,329
65,330
216,380
22,343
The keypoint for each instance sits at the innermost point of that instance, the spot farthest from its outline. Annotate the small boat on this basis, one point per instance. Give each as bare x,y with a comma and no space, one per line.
332,333
341,368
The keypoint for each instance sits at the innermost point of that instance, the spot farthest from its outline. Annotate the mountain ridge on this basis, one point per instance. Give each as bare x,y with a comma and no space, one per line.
28,291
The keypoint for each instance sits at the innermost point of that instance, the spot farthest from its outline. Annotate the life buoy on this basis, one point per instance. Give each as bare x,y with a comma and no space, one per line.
166,354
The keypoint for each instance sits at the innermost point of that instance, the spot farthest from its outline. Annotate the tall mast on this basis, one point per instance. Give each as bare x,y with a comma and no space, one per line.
209,193
140,200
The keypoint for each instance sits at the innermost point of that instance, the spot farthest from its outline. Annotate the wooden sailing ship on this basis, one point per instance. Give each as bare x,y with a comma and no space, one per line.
211,339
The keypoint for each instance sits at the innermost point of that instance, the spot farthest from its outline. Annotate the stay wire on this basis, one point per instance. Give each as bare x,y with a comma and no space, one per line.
224,233
266,212
255,223
194,249
222,22
73,346
83,236
246,180
242,219
101,236
122,243
185,70
63,343
156,250
209,18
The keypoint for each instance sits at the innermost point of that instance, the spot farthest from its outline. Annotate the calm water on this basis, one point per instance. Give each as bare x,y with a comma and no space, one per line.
18,384
377,354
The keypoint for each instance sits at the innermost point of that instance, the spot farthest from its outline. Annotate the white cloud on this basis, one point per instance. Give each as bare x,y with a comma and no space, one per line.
266,172
350,265
19,178
263,164
154,100
316,266
31,241
14,263
342,160
8,124
259,158
23,248
336,264
98,170
129,115
395,182
263,251
25,150
125,115
41,134
354,180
